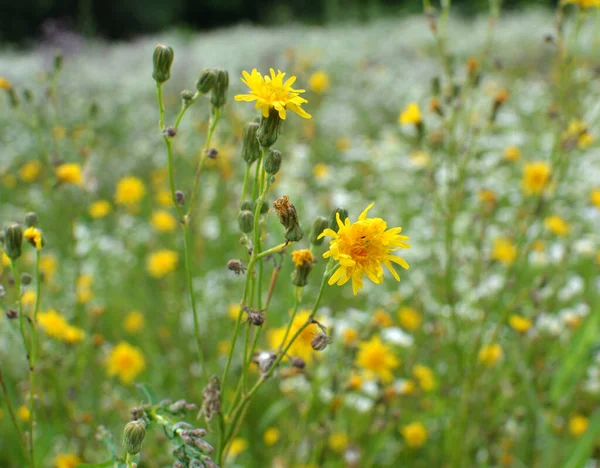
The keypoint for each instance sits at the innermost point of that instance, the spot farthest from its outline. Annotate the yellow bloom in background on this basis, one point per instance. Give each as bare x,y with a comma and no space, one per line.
30,171
301,347
319,82
9,181
408,387
355,382
164,198
512,153
536,178
130,191
409,318
33,235
67,460
83,289
595,198
126,362
377,359
134,322
233,311
48,265
338,441
578,133
425,377
343,144
59,132
23,413
52,323
163,221
382,319
162,262
487,196
271,92
99,209
349,337
520,323
320,171
4,83
73,335
504,251
578,424
271,436
223,347
411,115
5,259
490,354
585,4
361,248
556,225
415,434
238,445
70,173
28,298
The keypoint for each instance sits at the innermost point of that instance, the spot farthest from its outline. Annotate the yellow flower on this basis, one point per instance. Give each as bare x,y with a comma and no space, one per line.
126,362
48,266
28,298
238,445
99,209
67,460
52,323
490,354
343,144
578,424
301,347
512,153
425,377
30,171
319,82
536,178
130,191
134,322
362,247
520,323
585,4
578,133
233,311
163,221
415,434
33,235
320,171
83,290
408,387
271,92
595,198
377,359
382,319
162,262
349,337
556,225
59,132
164,198
5,259
70,173
4,83
355,382
338,441
73,335
409,318
223,347
487,196
504,251
23,413
271,436
411,115
302,257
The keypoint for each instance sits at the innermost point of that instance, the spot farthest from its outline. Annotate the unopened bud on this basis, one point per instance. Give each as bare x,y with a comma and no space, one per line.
13,240
204,446
246,221
251,147
320,342
256,317
162,60
26,279
218,96
247,205
11,314
272,162
288,218
207,80
187,97
298,363
133,436
303,259
31,219
268,131
180,197
319,225
237,266
212,153
170,132
343,214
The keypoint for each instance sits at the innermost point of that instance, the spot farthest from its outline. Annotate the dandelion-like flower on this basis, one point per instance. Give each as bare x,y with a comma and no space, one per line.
415,434
301,347
162,262
536,178
270,91
361,248
70,173
377,358
126,362
34,236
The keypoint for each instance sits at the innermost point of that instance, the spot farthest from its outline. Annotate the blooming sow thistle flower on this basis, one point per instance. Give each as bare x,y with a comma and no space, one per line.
361,248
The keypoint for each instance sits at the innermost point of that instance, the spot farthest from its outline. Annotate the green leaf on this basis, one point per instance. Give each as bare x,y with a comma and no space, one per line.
585,445
148,392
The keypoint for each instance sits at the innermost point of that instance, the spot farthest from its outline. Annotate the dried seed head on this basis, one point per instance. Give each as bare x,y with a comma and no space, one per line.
264,360
255,317
212,153
162,60
137,412
211,398
320,342
237,266
26,279
133,436
180,197
298,363
288,218
11,314
170,132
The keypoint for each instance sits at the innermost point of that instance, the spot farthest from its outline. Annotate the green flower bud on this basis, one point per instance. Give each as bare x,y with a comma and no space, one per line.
13,240
319,225
246,221
264,208
133,436
250,147
218,96
247,205
187,97
58,62
26,279
207,80
272,162
343,212
162,60
31,219
293,233
268,131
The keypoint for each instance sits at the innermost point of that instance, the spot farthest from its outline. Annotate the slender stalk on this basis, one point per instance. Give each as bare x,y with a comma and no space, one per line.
161,106
13,417
129,460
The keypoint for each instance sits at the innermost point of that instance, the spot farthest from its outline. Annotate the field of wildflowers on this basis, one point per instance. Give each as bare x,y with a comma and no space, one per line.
203,264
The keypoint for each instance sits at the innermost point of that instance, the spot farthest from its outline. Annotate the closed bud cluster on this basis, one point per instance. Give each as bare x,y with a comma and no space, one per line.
246,221
207,80
318,226
218,96
31,219
133,436
288,218
187,97
211,398
268,131
162,59
333,225
272,162
250,145
320,342
26,279
303,259
13,240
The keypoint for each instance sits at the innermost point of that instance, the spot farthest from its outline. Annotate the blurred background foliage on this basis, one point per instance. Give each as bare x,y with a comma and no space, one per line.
24,20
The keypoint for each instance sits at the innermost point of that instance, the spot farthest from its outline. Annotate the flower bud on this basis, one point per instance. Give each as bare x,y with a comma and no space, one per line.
207,80
170,131
13,240
319,225
246,221
272,162
11,314
26,279
218,96
288,217
180,197
343,212
251,147
31,219
187,97
303,259
162,60
237,266
255,317
298,363
247,205
133,436
264,207
268,131
320,342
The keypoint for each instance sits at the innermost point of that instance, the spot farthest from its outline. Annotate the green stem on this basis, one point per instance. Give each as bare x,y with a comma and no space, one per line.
161,107
13,417
129,460
17,278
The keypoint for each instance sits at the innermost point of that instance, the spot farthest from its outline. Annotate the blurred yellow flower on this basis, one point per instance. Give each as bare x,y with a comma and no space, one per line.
338,441
99,209
134,322
504,251
73,335
536,178
349,337
411,115
271,436
5,259
67,460
23,413
83,289
238,445
223,347
520,323
28,298
420,158
578,424
4,83
320,171
59,132
162,262
408,387
512,153
30,171
130,191
56,326
70,173
343,144
577,133
415,434
595,198
490,354
487,196
301,347
126,362
425,377
34,236
271,92
9,181
409,318
361,248
377,359
319,82
355,382
381,319
164,198
163,221
48,265
556,225
233,311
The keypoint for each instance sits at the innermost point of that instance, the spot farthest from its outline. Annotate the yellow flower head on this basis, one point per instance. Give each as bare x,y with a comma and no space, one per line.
512,153
301,347
238,445
490,354
504,251
578,424
34,236
319,82
415,434
349,337
163,221
67,460
425,377
536,178
130,191
556,225
361,248
409,318
126,362
272,92
595,198
162,262
411,115
83,290
520,323
69,173
134,322
302,257
320,171
4,83
99,209
23,413
382,319
30,171
271,436
577,133
164,197
52,323
338,441
377,358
